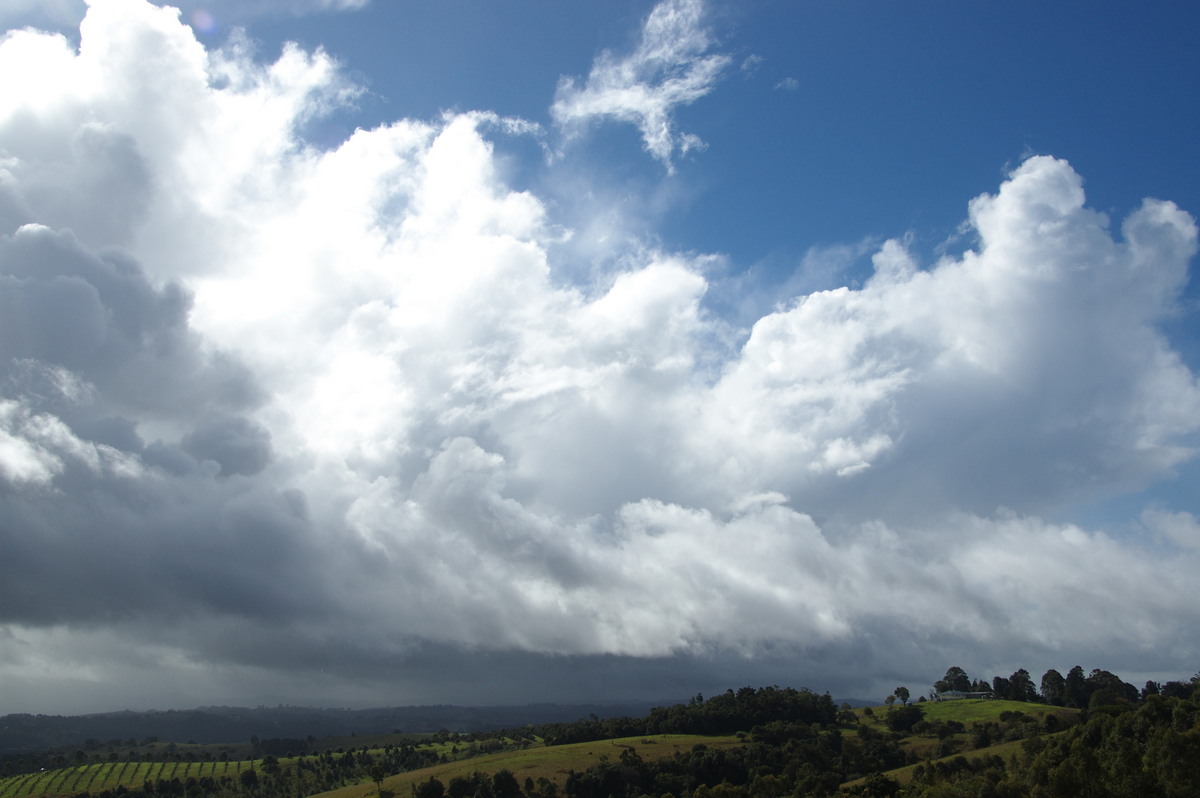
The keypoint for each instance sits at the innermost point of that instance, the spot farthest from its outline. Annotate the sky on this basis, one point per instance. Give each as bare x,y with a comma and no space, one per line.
383,352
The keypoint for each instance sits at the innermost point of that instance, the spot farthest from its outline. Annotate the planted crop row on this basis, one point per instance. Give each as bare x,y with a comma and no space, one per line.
16,785
97,777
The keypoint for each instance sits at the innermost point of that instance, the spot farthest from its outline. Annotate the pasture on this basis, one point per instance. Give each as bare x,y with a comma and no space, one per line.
554,763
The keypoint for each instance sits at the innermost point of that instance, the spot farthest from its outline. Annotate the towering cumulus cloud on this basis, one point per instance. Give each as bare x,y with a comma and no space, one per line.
335,419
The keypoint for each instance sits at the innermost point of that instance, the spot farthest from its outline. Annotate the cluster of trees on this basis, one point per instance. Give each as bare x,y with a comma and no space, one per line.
726,713
1098,688
501,784
1119,752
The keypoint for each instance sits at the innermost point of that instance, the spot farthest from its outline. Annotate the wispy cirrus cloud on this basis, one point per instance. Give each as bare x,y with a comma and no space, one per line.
672,65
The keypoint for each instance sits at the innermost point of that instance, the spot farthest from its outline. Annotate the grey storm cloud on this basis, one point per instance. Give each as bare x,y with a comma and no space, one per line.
238,445
98,317
293,422
122,526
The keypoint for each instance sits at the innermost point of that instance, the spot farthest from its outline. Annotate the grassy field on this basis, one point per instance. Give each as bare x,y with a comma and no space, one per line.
1003,750
553,763
904,775
966,712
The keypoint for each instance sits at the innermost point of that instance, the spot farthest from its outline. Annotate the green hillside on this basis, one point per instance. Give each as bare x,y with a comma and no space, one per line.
973,710
752,743
536,762
552,763
1005,751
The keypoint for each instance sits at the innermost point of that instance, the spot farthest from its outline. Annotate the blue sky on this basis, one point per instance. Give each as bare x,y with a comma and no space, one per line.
834,121
413,352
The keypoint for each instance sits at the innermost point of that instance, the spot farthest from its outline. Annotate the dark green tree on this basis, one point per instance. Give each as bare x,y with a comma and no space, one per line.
377,773
1075,692
957,679
878,785
1020,686
1104,680
904,718
460,788
504,784
903,694
429,789
1176,689
1053,687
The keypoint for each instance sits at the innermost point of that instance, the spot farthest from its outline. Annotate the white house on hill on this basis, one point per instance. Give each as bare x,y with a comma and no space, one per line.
952,695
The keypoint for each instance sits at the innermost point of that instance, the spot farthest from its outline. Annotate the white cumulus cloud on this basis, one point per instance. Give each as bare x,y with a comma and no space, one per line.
346,411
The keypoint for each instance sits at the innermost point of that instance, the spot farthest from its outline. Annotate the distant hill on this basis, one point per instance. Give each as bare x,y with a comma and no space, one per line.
26,733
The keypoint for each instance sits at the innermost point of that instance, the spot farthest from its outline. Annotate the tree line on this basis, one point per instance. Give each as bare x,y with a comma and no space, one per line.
1098,688
726,713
